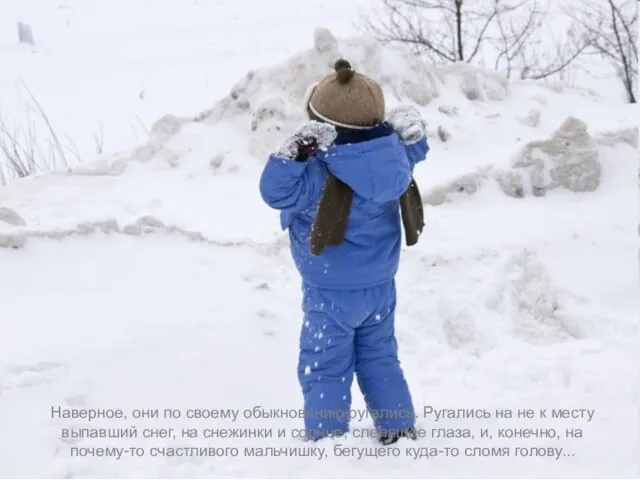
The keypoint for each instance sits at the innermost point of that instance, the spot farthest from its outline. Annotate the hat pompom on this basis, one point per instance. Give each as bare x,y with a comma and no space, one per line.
344,71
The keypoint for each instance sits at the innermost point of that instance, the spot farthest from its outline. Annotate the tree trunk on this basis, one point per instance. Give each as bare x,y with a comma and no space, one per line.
459,29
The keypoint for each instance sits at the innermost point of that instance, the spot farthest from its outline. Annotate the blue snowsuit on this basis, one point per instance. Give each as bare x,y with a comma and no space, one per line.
349,292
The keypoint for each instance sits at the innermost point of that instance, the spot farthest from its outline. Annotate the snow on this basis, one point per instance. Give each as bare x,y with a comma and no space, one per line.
155,277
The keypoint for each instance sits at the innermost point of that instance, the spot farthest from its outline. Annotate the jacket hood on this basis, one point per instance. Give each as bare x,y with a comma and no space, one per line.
376,169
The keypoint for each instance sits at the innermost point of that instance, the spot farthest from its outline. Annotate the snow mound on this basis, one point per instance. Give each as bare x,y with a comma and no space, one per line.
517,299
274,96
271,98
533,309
162,131
571,159
267,103
525,298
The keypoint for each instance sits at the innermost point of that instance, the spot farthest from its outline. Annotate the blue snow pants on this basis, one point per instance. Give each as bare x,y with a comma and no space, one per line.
347,332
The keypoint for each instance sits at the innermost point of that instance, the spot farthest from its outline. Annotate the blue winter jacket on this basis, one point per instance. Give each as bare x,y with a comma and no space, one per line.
377,166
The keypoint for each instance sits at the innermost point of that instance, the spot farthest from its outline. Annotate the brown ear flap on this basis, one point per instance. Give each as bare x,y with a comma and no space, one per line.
412,213
332,217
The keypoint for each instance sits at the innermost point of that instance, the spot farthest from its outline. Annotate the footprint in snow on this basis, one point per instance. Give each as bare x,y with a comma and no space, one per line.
78,400
267,321
257,284
33,375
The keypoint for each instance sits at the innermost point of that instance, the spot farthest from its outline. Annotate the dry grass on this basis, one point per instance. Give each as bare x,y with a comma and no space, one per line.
25,150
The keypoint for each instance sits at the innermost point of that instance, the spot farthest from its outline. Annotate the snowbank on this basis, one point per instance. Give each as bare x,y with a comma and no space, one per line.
267,102
272,97
571,159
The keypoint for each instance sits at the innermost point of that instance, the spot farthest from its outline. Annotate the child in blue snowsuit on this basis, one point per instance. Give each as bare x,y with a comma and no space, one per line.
348,276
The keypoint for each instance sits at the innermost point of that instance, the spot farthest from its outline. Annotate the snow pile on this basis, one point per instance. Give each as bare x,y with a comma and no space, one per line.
528,303
267,104
570,159
520,302
269,100
273,96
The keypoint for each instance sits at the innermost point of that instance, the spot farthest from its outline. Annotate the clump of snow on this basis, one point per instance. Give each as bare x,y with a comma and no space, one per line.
216,161
9,216
460,328
166,126
449,110
112,166
527,301
12,241
569,159
626,135
145,224
467,184
443,134
324,41
476,83
532,119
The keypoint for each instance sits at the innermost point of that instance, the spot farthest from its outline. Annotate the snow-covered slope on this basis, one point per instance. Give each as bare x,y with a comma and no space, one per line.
157,279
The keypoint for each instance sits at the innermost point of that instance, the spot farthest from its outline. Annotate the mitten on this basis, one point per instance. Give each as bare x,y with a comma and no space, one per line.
307,140
408,123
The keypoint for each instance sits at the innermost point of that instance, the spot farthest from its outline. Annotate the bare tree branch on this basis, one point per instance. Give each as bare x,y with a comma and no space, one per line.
504,33
512,38
611,29
625,61
402,23
483,30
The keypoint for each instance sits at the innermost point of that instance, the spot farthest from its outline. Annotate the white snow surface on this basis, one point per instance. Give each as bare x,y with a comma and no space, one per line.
156,278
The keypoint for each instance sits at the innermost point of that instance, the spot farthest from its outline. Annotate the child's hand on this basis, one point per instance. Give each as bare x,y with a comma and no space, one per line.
408,123
307,140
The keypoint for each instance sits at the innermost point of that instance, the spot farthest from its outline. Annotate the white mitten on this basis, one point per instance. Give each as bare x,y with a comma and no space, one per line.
408,123
306,140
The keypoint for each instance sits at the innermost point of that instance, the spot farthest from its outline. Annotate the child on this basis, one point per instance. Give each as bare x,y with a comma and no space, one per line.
343,184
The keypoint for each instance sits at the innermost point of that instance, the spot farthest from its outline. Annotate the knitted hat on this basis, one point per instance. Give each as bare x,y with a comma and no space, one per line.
347,99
